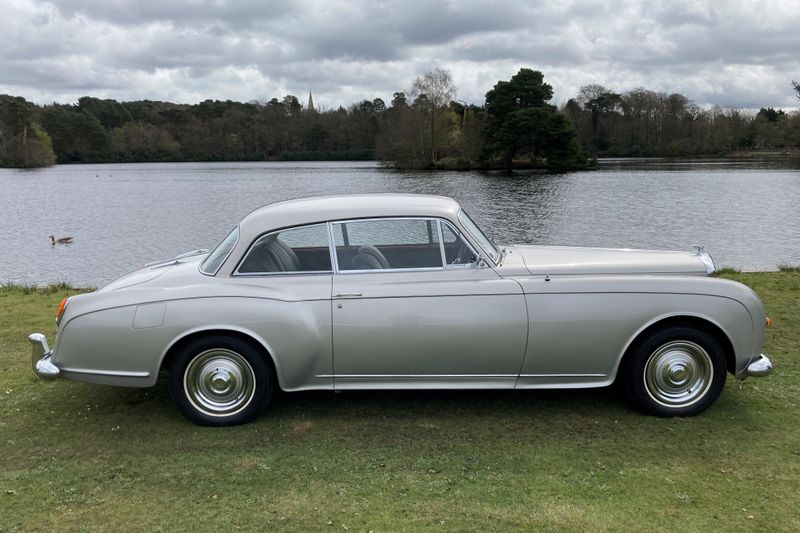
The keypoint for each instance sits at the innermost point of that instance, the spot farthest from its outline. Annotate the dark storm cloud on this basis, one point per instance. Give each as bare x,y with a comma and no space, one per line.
726,53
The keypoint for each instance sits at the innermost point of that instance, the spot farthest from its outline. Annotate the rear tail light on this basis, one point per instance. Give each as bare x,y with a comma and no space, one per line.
61,307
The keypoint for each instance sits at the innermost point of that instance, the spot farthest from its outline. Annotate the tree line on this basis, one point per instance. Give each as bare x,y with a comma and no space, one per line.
424,127
642,122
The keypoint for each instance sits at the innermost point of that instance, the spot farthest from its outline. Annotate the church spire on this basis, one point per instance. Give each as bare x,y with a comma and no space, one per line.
310,107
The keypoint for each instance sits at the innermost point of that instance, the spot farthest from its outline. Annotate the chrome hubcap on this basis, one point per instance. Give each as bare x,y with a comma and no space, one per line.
219,382
678,373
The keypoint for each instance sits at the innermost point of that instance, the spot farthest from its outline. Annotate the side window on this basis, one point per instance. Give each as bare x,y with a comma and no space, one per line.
382,244
215,259
303,249
456,249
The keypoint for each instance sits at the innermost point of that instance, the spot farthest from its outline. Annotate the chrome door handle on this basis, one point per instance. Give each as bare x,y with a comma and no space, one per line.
348,295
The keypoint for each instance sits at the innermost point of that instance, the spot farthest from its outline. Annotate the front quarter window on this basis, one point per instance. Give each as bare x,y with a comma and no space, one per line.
476,233
215,259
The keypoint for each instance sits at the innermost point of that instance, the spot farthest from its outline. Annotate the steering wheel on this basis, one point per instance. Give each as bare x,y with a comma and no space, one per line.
461,253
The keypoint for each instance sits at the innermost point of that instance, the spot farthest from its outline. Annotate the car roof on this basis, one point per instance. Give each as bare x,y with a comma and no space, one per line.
318,209
339,207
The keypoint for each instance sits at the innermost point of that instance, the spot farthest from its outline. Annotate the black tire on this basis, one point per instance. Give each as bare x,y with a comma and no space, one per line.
676,371
221,381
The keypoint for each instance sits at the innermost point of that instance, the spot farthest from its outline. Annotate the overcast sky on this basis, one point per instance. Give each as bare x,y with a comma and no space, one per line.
741,54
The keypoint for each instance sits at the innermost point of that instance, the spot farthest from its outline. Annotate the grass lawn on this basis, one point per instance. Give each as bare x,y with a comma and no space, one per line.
89,457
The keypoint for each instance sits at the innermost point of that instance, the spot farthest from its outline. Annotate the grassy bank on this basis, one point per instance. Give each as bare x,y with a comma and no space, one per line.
86,457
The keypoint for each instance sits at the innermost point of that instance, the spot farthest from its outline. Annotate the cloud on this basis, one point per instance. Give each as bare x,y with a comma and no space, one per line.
737,54
234,14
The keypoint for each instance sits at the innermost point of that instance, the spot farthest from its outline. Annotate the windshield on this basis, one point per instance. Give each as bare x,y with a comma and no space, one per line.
215,259
476,233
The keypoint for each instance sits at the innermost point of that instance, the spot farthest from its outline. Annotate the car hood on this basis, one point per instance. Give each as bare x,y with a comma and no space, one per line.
575,260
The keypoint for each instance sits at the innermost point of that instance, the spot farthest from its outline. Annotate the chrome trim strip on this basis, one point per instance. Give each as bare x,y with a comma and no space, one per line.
377,270
439,376
332,249
562,375
432,376
441,242
177,258
292,273
115,373
227,256
364,219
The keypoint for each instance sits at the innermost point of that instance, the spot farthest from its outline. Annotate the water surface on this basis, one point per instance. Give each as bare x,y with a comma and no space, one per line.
745,213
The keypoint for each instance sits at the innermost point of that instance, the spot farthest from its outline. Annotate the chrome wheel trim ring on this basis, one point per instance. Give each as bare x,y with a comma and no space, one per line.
678,374
219,382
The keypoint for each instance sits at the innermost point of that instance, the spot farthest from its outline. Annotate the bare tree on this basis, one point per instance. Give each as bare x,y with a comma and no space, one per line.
432,93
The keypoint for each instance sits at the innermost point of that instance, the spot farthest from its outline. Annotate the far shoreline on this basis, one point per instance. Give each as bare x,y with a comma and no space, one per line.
790,155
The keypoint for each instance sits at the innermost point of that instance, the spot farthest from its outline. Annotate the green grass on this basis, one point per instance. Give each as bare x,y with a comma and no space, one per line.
86,457
726,271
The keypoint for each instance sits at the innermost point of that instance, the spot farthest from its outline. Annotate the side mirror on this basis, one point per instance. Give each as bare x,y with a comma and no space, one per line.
481,262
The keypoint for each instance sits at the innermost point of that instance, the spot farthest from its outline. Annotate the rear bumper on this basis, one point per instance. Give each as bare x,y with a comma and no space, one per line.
40,357
761,366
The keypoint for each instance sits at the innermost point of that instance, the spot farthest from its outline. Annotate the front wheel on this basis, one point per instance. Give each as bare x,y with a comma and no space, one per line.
220,381
678,371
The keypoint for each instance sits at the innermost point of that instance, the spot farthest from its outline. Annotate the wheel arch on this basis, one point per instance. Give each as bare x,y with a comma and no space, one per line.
687,320
181,341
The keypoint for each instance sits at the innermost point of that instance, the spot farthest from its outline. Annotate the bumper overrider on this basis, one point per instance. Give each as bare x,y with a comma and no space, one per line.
761,366
40,357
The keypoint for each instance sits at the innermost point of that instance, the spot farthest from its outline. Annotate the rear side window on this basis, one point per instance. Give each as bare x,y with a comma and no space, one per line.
215,259
303,249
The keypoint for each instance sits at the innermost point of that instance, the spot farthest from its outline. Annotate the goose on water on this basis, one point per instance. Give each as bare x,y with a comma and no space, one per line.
61,240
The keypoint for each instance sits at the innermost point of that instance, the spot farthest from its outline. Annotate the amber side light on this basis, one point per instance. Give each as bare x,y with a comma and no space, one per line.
769,321
61,307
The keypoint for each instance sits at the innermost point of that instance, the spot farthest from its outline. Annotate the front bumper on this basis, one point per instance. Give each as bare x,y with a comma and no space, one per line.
762,366
40,357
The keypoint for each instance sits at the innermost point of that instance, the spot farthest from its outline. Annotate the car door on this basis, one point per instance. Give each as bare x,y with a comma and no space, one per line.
410,312
286,275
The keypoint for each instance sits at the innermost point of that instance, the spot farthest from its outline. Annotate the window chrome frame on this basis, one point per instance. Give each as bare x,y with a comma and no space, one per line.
332,248
438,221
485,255
238,274
459,235
381,270
441,242
463,235
227,256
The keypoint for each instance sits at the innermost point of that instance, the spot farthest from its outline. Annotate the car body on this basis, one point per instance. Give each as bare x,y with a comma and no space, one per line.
393,291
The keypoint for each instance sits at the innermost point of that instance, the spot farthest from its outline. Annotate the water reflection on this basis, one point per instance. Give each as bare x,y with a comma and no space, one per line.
744,212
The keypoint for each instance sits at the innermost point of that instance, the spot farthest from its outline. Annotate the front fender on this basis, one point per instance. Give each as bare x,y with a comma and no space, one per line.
581,326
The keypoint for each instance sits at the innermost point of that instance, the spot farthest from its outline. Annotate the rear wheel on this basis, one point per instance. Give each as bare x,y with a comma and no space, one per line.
677,371
220,381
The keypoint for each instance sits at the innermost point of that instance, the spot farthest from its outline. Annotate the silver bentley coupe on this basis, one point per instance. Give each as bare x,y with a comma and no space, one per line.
393,291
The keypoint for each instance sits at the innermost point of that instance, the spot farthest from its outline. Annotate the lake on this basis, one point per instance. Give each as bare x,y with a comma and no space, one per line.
746,213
